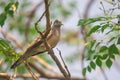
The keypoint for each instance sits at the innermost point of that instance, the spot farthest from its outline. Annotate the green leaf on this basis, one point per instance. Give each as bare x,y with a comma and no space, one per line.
109,63
10,12
118,16
113,49
97,44
118,41
89,21
104,27
4,43
84,71
7,8
82,22
112,56
104,56
111,39
89,69
16,4
99,62
92,44
3,17
103,48
94,29
95,56
92,64
7,50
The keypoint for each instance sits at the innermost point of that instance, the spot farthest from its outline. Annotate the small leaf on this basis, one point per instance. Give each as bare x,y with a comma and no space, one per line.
95,56
118,16
104,27
92,43
94,29
10,8
112,56
118,41
84,71
89,21
7,8
92,64
89,69
82,22
92,20
16,4
99,62
4,43
104,56
109,31
109,63
2,19
103,48
111,39
10,12
113,49
97,44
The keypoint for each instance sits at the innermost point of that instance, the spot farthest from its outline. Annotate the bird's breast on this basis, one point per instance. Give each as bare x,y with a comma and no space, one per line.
54,39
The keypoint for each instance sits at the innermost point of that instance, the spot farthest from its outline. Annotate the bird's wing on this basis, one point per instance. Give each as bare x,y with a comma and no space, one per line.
35,47
29,52
37,43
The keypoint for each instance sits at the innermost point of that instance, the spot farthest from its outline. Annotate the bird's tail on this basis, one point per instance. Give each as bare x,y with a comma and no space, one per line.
18,62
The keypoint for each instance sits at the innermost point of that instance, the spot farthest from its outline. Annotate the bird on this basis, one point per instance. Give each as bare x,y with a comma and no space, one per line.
37,46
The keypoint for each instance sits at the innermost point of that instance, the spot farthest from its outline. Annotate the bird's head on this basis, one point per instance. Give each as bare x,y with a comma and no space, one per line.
57,23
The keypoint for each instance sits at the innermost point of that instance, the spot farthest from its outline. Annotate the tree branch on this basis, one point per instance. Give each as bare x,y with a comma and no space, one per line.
49,76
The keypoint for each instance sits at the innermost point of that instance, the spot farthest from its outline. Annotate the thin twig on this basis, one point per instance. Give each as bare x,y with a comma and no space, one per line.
48,25
38,22
103,8
30,17
64,63
30,71
50,51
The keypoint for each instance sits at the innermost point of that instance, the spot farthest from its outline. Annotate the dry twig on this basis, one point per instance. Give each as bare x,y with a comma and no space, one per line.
30,71
30,17
64,63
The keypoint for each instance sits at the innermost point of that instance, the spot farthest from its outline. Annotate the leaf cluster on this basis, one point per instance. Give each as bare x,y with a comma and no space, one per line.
97,53
8,10
103,55
7,51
